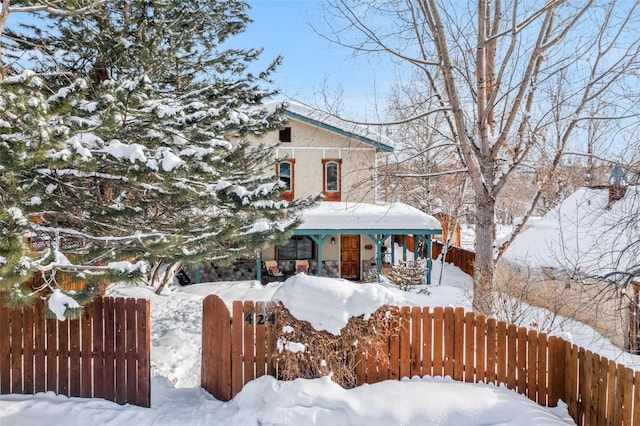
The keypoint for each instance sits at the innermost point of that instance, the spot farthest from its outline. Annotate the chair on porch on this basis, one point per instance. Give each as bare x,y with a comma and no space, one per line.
272,269
302,266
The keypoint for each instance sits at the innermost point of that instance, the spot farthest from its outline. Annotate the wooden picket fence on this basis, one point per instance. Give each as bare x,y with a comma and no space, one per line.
105,353
463,259
239,346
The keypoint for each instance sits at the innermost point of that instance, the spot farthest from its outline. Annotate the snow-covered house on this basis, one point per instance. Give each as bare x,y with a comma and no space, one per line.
582,260
346,234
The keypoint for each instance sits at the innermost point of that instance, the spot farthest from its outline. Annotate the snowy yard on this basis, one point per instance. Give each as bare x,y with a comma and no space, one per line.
178,399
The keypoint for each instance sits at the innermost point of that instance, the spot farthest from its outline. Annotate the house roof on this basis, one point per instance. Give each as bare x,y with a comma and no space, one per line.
584,233
331,123
348,218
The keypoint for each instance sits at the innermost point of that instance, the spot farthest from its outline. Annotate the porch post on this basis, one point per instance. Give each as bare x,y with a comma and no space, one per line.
404,248
259,265
319,240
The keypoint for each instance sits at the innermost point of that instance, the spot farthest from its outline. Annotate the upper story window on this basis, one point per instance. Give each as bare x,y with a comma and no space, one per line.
285,173
285,135
332,179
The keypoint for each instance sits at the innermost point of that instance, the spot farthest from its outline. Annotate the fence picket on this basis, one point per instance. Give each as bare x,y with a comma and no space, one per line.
427,346
481,342
39,352
109,390
28,349
501,353
541,369
16,350
603,382
120,334
52,354
449,330
85,354
236,347
5,353
512,376
131,349
98,337
394,350
74,357
458,345
532,361
626,374
405,342
469,354
416,342
261,343
636,399
438,317
490,367
522,361
248,342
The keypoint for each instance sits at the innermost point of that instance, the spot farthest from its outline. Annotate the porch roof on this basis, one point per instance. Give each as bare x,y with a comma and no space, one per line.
362,218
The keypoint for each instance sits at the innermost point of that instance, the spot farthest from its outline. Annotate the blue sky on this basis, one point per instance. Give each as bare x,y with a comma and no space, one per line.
283,27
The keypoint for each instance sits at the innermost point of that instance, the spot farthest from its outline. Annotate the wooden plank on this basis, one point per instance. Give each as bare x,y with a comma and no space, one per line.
52,355
571,380
394,348
481,348
612,403
427,346
109,387
512,375
16,350
490,367
39,342
361,366
522,361
532,361
586,399
542,369
438,320
501,353
449,331
636,399
458,345
216,348
120,351
416,342
63,357
143,320
261,342
248,341
98,339
86,389
5,351
131,348
271,341
405,342
28,315
627,395
603,384
236,348
371,365
74,357
594,391
383,358
581,385
470,347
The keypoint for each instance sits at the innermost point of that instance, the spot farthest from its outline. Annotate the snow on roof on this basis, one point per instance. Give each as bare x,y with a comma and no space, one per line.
583,233
363,216
330,122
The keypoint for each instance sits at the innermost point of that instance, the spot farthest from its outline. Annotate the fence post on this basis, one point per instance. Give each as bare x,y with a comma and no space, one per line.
216,348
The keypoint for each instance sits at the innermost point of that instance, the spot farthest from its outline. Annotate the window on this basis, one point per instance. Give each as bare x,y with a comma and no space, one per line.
297,248
285,135
285,174
332,179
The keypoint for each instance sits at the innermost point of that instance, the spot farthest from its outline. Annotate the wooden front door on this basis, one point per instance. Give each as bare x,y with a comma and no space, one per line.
350,256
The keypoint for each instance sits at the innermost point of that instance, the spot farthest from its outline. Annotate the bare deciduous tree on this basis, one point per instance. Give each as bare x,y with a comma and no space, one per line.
517,80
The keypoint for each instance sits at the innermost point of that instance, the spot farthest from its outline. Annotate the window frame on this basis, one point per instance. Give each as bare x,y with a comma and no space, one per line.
296,256
332,195
284,134
288,194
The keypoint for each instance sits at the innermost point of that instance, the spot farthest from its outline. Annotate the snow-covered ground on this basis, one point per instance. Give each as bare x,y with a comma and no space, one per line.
176,396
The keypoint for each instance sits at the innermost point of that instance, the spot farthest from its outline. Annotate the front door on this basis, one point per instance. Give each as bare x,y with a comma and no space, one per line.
350,256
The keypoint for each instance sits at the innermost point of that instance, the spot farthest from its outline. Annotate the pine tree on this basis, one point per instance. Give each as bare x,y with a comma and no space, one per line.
131,164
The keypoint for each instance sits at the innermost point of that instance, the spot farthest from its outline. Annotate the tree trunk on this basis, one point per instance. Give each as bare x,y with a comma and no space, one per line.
165,278
484,279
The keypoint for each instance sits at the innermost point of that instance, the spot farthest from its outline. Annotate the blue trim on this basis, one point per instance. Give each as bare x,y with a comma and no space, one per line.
378,145
393,231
